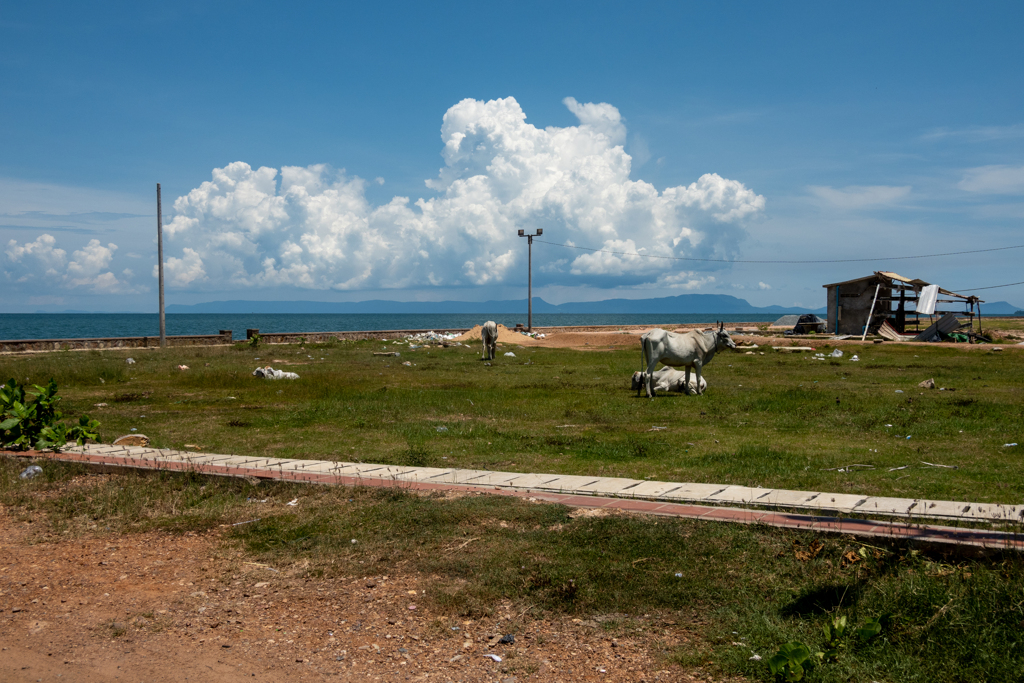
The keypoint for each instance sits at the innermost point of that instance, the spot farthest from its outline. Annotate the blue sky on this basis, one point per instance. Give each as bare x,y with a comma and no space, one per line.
391,150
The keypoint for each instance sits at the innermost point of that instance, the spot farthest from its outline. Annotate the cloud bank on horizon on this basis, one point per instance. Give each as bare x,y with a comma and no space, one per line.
313,228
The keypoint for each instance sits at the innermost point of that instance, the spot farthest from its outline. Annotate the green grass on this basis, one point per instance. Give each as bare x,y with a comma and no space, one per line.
777,420
946,618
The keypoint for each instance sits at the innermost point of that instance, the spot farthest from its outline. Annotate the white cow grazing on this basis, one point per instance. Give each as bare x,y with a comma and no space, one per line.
690,350
489,336
670,379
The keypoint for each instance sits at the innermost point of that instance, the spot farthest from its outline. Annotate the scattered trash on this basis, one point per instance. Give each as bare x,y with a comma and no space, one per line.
509,354
1007,445
183,367
847,468
353,541
270,373
407,364
888,425
432,336
893,469
927,384
855,358
441,430
31,472
510,639
129,361
487,364
908,436
656,429
836,354
754,658
679,575
246,522
930,464
386,353
899,391
99,405
293,503
493,656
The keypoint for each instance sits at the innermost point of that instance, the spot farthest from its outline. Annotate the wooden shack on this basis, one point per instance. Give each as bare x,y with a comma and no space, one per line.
863,304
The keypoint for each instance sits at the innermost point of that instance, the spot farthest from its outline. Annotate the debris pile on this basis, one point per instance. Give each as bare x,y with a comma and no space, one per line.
434,337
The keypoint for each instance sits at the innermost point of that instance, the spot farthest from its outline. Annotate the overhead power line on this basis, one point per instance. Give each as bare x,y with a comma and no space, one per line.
978,289
722,260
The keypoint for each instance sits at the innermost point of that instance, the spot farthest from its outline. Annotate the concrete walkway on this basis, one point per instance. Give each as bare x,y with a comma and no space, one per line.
731,503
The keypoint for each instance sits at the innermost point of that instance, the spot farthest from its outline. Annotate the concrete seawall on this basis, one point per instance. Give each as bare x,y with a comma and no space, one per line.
224,337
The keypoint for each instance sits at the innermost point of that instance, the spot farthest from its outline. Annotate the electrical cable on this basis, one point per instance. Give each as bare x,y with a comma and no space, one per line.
849,260
976,289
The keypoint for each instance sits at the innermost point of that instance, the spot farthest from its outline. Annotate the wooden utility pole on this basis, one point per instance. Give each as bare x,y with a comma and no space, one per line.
160,265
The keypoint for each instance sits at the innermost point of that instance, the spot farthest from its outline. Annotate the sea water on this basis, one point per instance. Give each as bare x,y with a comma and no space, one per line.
88,325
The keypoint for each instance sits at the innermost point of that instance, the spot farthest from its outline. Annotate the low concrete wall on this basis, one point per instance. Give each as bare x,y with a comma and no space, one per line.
321,337
22,345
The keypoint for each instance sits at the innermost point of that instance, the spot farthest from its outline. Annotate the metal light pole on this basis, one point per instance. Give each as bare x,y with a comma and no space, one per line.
529,276
160,265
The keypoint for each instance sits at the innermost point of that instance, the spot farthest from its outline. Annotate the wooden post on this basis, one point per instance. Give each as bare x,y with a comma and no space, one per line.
871,313
160,265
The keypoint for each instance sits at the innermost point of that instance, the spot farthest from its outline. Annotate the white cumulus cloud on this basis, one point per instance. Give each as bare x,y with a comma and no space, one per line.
994,180
45,265
314,228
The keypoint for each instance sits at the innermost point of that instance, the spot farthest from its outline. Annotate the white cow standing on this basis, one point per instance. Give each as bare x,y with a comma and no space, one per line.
690,350
669,379
489,336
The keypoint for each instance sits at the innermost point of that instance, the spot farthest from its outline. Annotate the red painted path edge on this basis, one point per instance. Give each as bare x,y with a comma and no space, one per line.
922,533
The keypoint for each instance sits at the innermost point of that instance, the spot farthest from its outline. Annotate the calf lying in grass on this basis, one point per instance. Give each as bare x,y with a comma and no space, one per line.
668,379
270,373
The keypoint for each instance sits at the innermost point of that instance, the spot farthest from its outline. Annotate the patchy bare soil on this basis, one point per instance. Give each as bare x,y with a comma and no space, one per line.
159,607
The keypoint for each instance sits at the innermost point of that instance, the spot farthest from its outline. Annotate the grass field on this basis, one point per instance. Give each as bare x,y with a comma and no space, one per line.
771,420
774,420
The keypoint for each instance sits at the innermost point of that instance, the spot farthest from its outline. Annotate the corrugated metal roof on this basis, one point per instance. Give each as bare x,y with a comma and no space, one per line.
891,276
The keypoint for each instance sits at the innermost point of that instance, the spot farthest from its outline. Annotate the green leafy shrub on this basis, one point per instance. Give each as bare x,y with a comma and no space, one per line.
792,661
26,423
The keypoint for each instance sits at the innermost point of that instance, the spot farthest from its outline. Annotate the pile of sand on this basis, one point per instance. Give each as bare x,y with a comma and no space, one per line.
505,336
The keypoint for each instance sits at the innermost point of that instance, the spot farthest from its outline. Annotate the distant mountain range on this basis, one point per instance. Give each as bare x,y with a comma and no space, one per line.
684,303
704,304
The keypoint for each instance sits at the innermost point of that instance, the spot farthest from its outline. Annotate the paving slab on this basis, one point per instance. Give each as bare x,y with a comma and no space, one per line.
739,494
462,477
839,502
530,481
693,492
424,474
569,483
651,489
610,486
891,506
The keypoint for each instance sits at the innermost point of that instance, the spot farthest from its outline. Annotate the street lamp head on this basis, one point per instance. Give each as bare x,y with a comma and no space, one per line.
522,232
540,231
